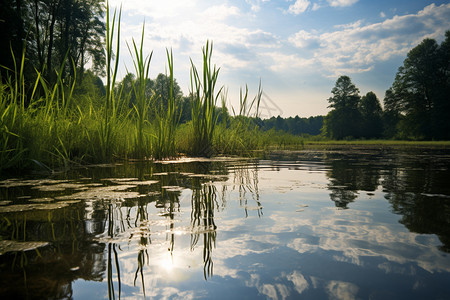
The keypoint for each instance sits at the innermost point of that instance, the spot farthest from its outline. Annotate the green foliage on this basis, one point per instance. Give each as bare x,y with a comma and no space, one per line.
371,113
142,105
343,120
420,92
203,103
167,118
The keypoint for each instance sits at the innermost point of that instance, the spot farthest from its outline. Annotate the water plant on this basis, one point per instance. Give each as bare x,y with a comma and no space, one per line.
167,119
204,100
107,130
142,105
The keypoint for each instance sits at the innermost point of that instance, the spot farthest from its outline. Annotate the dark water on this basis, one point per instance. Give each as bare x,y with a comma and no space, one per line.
309,225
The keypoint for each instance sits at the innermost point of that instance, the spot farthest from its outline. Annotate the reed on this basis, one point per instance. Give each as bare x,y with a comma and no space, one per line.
107,130
167,119
242,134
142,105
204,100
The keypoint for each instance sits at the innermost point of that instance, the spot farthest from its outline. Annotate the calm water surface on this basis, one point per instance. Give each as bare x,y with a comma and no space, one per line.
306,225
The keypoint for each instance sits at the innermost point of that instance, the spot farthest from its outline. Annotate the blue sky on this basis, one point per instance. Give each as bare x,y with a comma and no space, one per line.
297,48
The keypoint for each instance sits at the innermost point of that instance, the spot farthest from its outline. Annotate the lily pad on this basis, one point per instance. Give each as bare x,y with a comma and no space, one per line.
104,193
30,207
13,246
59,187
41,200
173,188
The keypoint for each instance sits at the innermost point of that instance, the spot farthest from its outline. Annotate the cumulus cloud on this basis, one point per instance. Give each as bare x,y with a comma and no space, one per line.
355,47
255,5
221,12
299,7
341,3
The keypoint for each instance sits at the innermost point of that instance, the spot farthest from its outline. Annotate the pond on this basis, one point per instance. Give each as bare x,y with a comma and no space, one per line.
361,224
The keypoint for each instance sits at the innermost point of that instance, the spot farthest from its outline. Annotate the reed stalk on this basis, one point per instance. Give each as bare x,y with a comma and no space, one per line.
142,105
203,100
107,127
167,119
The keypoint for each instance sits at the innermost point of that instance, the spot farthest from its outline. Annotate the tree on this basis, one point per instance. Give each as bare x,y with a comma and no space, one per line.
344,120
421,89
53,32
161,88
391,114
371,113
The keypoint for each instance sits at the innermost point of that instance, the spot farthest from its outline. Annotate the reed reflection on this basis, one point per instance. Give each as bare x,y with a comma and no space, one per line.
247,183
203,202
44,250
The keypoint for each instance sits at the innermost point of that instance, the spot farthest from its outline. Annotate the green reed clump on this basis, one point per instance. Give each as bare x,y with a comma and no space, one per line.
204,99
142,105
241,134
108,130
166,120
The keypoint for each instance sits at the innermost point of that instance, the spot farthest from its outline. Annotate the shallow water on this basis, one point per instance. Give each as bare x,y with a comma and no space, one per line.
304,225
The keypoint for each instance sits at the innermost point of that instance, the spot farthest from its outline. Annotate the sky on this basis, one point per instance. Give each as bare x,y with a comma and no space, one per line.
296,48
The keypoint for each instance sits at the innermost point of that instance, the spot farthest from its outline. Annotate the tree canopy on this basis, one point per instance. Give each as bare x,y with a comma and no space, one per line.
54,33
420,92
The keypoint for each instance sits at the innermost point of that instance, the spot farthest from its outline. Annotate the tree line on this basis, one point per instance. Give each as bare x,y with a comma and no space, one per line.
58,37
416,106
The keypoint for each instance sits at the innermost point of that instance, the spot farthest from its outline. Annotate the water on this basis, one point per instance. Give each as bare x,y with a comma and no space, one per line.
301,225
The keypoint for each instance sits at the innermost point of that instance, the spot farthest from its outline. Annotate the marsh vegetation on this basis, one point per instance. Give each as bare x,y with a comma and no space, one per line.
56,114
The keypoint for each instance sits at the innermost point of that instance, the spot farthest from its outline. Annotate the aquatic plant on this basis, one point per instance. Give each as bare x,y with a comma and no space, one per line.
167,118
204,99
108,128
142,106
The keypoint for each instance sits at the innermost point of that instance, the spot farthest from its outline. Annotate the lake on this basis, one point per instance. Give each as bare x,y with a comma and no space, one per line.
344,224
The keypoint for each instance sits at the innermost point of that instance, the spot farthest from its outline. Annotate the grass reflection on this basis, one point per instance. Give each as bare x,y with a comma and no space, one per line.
203,202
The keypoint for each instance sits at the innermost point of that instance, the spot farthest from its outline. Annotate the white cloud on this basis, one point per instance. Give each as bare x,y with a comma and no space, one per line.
341,3
303,39
382,15
221,12
299,7
355,48
255,5
316,6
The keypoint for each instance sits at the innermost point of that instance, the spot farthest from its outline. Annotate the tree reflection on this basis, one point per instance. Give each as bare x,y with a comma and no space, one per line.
350,174
415,183
48,272
418,190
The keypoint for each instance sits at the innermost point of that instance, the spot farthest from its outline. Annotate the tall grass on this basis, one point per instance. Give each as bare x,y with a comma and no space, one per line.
242,134
142,105
108,130
167,119
204,100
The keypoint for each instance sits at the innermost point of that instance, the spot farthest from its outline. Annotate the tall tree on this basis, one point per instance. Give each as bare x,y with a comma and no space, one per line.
371,113
345,118
391,114
421,90
54,32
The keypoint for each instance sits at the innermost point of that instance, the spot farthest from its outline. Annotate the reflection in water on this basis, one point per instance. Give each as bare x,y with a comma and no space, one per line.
197,229
204,200
349,174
